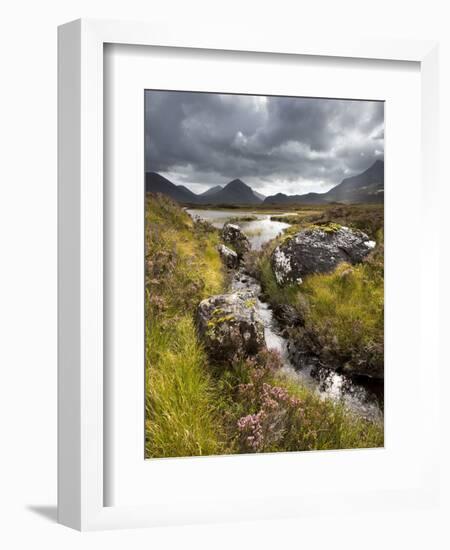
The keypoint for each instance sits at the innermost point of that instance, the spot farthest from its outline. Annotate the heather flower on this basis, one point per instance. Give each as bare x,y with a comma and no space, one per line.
276,412
251,431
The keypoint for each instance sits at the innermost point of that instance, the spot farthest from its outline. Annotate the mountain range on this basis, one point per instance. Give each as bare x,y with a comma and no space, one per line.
234,193
367,187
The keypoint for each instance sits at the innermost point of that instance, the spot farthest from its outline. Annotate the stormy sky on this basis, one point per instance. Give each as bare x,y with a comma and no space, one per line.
274,144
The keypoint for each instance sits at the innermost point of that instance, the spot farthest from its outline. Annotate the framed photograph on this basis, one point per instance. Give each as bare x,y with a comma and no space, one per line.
238,335
264,312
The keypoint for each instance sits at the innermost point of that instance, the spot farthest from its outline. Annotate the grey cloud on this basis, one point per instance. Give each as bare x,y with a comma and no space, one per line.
272,143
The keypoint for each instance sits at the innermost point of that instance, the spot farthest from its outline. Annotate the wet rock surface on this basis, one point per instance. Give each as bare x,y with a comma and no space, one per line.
318,250
230,327
287,315
233,235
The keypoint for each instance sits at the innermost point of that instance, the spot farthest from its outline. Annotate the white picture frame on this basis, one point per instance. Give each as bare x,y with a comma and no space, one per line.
81,404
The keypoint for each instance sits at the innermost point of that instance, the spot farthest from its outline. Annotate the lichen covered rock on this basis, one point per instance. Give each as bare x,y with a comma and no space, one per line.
232,234
230,327
318,250
229,257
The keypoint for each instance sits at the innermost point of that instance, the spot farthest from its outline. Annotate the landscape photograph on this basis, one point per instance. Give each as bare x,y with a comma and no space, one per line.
264,274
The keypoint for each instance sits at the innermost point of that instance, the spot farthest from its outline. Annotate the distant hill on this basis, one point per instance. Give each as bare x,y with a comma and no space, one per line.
367,187
155,183
211,191
235,192
281,198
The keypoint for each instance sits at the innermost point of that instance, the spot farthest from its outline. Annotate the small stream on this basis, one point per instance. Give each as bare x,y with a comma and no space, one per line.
363,397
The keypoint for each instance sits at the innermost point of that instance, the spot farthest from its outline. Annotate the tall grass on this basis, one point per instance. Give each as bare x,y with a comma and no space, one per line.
345,312
180,414
329,425
182,267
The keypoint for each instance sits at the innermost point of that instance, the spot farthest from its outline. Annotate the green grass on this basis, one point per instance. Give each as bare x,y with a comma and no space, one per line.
243,218
180,413
182,267
366,217
295,218
345,313
328,425
287,218
277,295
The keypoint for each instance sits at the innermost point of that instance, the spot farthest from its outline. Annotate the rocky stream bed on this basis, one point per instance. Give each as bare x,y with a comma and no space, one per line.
242,322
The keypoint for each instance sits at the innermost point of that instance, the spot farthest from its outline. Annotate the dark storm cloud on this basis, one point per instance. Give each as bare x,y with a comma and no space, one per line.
294,145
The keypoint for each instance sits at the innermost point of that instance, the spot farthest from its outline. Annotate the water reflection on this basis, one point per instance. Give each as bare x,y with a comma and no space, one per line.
258,231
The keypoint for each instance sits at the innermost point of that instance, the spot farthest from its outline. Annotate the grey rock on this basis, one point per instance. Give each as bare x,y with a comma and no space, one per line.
318,250
230,327
232,234
229,257
287,315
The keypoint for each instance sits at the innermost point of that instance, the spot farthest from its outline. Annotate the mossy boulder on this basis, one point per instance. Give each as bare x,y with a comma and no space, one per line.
318,250
232,234
230,327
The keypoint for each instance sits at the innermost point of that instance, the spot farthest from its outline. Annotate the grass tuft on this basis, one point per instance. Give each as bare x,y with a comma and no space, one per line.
180,415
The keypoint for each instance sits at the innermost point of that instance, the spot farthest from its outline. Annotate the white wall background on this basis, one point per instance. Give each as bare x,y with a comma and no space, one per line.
28,269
